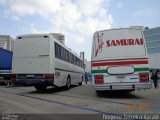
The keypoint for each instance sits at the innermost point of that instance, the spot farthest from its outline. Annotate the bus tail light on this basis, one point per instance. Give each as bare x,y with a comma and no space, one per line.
99,79
144,77
49,76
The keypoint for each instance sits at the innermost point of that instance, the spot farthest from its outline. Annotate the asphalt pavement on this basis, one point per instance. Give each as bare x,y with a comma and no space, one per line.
78,100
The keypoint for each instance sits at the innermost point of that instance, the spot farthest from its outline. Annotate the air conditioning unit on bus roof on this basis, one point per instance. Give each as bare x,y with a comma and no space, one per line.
60,37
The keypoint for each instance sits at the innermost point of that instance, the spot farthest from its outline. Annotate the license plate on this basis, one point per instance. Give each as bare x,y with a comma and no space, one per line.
29,76
120,76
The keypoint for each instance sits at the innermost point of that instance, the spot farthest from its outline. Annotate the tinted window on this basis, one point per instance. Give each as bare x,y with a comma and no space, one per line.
64,54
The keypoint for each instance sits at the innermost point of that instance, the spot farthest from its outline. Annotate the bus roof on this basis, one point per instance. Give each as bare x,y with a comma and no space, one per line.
117,29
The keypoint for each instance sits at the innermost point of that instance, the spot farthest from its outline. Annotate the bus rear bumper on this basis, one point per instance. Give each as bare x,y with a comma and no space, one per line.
32,82
132,86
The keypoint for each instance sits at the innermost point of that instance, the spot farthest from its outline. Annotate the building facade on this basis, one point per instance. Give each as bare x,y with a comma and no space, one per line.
87,66
6,42
152,37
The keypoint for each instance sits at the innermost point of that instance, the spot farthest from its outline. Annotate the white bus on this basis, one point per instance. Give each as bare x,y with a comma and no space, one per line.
119,60
40,60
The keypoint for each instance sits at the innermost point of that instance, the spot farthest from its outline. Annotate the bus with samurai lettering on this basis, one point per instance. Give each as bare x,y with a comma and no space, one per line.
119,60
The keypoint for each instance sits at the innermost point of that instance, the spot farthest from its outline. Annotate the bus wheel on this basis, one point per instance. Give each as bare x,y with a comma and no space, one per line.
80,83
40,87
68,83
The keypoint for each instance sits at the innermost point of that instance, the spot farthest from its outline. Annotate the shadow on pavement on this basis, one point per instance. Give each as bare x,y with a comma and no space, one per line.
118,95
91,93
51,90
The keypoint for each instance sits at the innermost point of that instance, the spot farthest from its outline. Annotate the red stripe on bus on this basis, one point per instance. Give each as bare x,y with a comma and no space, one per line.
119,63
132,59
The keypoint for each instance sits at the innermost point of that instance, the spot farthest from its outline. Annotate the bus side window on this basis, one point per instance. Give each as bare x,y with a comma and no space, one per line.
78,62
70,57
62,53
66,55
74,60
57,50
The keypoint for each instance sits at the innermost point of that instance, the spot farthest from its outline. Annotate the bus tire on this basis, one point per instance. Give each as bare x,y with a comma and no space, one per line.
80,83
40,87
68,83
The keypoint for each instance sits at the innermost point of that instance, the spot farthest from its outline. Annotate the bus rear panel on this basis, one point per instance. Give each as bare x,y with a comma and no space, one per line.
31,60
119,60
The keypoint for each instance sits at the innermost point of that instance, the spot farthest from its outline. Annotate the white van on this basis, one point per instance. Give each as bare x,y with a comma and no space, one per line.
41,61
119,60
